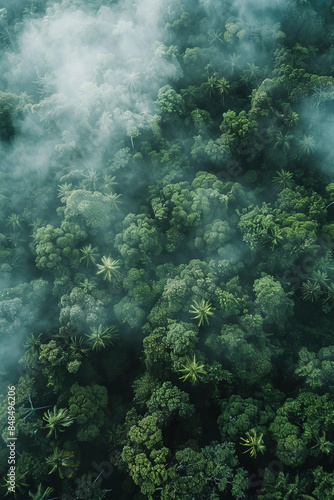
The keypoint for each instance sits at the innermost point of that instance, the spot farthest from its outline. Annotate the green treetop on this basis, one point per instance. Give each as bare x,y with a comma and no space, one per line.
88,405
167,402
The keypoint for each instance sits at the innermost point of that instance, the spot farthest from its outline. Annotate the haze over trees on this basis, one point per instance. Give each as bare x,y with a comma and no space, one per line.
166,248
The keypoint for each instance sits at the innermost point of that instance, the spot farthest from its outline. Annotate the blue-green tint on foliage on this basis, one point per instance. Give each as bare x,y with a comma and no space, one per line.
166,248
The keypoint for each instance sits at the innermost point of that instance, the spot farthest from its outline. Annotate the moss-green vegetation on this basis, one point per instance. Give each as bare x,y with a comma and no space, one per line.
166,248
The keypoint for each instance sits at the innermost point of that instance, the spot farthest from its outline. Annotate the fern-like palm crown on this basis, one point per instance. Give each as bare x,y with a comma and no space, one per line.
202,311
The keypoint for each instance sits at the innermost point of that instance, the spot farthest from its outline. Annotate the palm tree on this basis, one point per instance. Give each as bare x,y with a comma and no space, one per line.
274,236
76,346
15,238
210,85
113,200
192,370
14,260
63,461
215,37
109,268
20,483
320,277
330,294
56,419
132,81
311,291
33,343
306,146
87,286
322,444
14,222
283,179
108,183
105,123
102,337
232,64
201,310
253,72
64,190
253,442
41,495
92,181
291,120
222,85
283,142
88,254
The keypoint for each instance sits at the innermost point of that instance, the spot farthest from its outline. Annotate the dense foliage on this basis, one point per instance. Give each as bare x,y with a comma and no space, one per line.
166,248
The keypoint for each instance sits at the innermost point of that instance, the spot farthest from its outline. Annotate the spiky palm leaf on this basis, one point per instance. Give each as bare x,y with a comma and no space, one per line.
102,337
252,72
253,442
283,142
57,419
222,86
216,36
311,291
15,261
232,64
192,371
306,146
113,200
322,445
92,181
291,120
274,237
76,346
330,294
88,254
283,179
40,494
15,238
132,81
109,268
108,183
320,277
87,285
20,484
202,310
105,123
210,85
63,461
64,190
33,343
14,222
